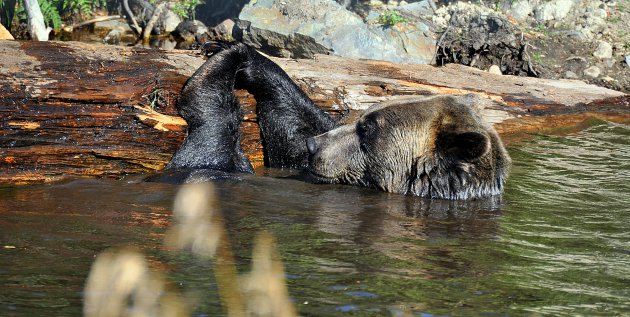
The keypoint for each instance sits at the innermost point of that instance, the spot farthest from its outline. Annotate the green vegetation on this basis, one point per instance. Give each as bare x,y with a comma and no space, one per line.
183,8
52,10
537,58
51,14
156,98
497,7
541,28
613,19
186,8
55,11
389,18
7,11
83,7
627,45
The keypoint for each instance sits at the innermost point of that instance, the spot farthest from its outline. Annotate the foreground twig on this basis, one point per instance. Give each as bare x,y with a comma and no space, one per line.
529,60
439,42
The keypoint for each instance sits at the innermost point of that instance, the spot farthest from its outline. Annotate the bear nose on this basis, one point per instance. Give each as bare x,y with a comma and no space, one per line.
311,145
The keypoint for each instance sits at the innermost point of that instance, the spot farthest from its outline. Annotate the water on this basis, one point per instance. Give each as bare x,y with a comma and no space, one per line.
557,242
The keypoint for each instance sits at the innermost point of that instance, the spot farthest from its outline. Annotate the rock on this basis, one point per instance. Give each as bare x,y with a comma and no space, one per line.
116,31
553,10
114,36
226,27
595,24
570,75
520,10
609,62
600,13
333,27
107,26
628,60
4,33
481,37
603,50
494,69
189,30
592,72
416,10
169,21
576,35
224,31
293,45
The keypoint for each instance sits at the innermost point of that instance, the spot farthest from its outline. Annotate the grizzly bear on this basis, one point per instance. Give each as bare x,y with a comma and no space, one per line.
435,147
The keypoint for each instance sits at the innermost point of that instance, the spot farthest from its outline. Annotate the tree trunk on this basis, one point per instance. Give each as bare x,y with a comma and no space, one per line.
159,10
36,26
74,109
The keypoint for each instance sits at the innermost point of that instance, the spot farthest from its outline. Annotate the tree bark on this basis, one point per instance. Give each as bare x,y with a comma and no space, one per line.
74,109
36,26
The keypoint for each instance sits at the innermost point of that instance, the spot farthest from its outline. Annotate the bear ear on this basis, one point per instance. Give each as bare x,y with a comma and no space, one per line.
464,145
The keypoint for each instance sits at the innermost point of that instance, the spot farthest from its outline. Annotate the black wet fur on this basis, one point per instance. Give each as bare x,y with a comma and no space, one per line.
287,117
428,146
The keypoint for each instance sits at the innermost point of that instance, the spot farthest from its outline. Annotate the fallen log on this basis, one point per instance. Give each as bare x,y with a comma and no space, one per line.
75,109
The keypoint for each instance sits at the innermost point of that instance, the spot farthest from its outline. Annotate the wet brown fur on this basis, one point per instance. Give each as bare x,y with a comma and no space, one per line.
437,147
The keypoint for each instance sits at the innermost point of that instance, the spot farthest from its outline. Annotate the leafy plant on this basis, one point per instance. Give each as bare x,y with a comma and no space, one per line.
391,18
621,7
186,8
55,10
51,14
538,58
541,28
183,8
7,10
81,6
614,19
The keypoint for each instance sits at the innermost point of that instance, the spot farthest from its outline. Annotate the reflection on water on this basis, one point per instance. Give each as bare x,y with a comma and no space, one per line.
556,243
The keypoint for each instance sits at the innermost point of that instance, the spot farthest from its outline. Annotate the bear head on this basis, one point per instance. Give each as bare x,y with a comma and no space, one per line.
434,147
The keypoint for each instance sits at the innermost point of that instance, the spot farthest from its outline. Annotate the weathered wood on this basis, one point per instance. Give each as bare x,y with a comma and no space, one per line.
69,109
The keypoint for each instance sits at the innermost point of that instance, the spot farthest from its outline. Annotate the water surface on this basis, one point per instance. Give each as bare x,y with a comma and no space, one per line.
556,243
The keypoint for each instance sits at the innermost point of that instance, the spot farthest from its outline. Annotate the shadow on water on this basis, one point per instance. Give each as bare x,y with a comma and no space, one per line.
555,243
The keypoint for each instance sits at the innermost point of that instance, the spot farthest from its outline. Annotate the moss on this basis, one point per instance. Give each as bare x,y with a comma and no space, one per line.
391,18
537,58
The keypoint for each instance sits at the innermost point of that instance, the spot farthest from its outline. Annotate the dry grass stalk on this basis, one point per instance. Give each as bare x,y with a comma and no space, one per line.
264,286
121,284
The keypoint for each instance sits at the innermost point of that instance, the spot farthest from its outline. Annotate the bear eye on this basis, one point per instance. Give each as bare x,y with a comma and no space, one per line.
361,127
366,130
366,126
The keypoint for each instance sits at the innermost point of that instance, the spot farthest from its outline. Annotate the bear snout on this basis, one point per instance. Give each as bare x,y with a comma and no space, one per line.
335,155
311,145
